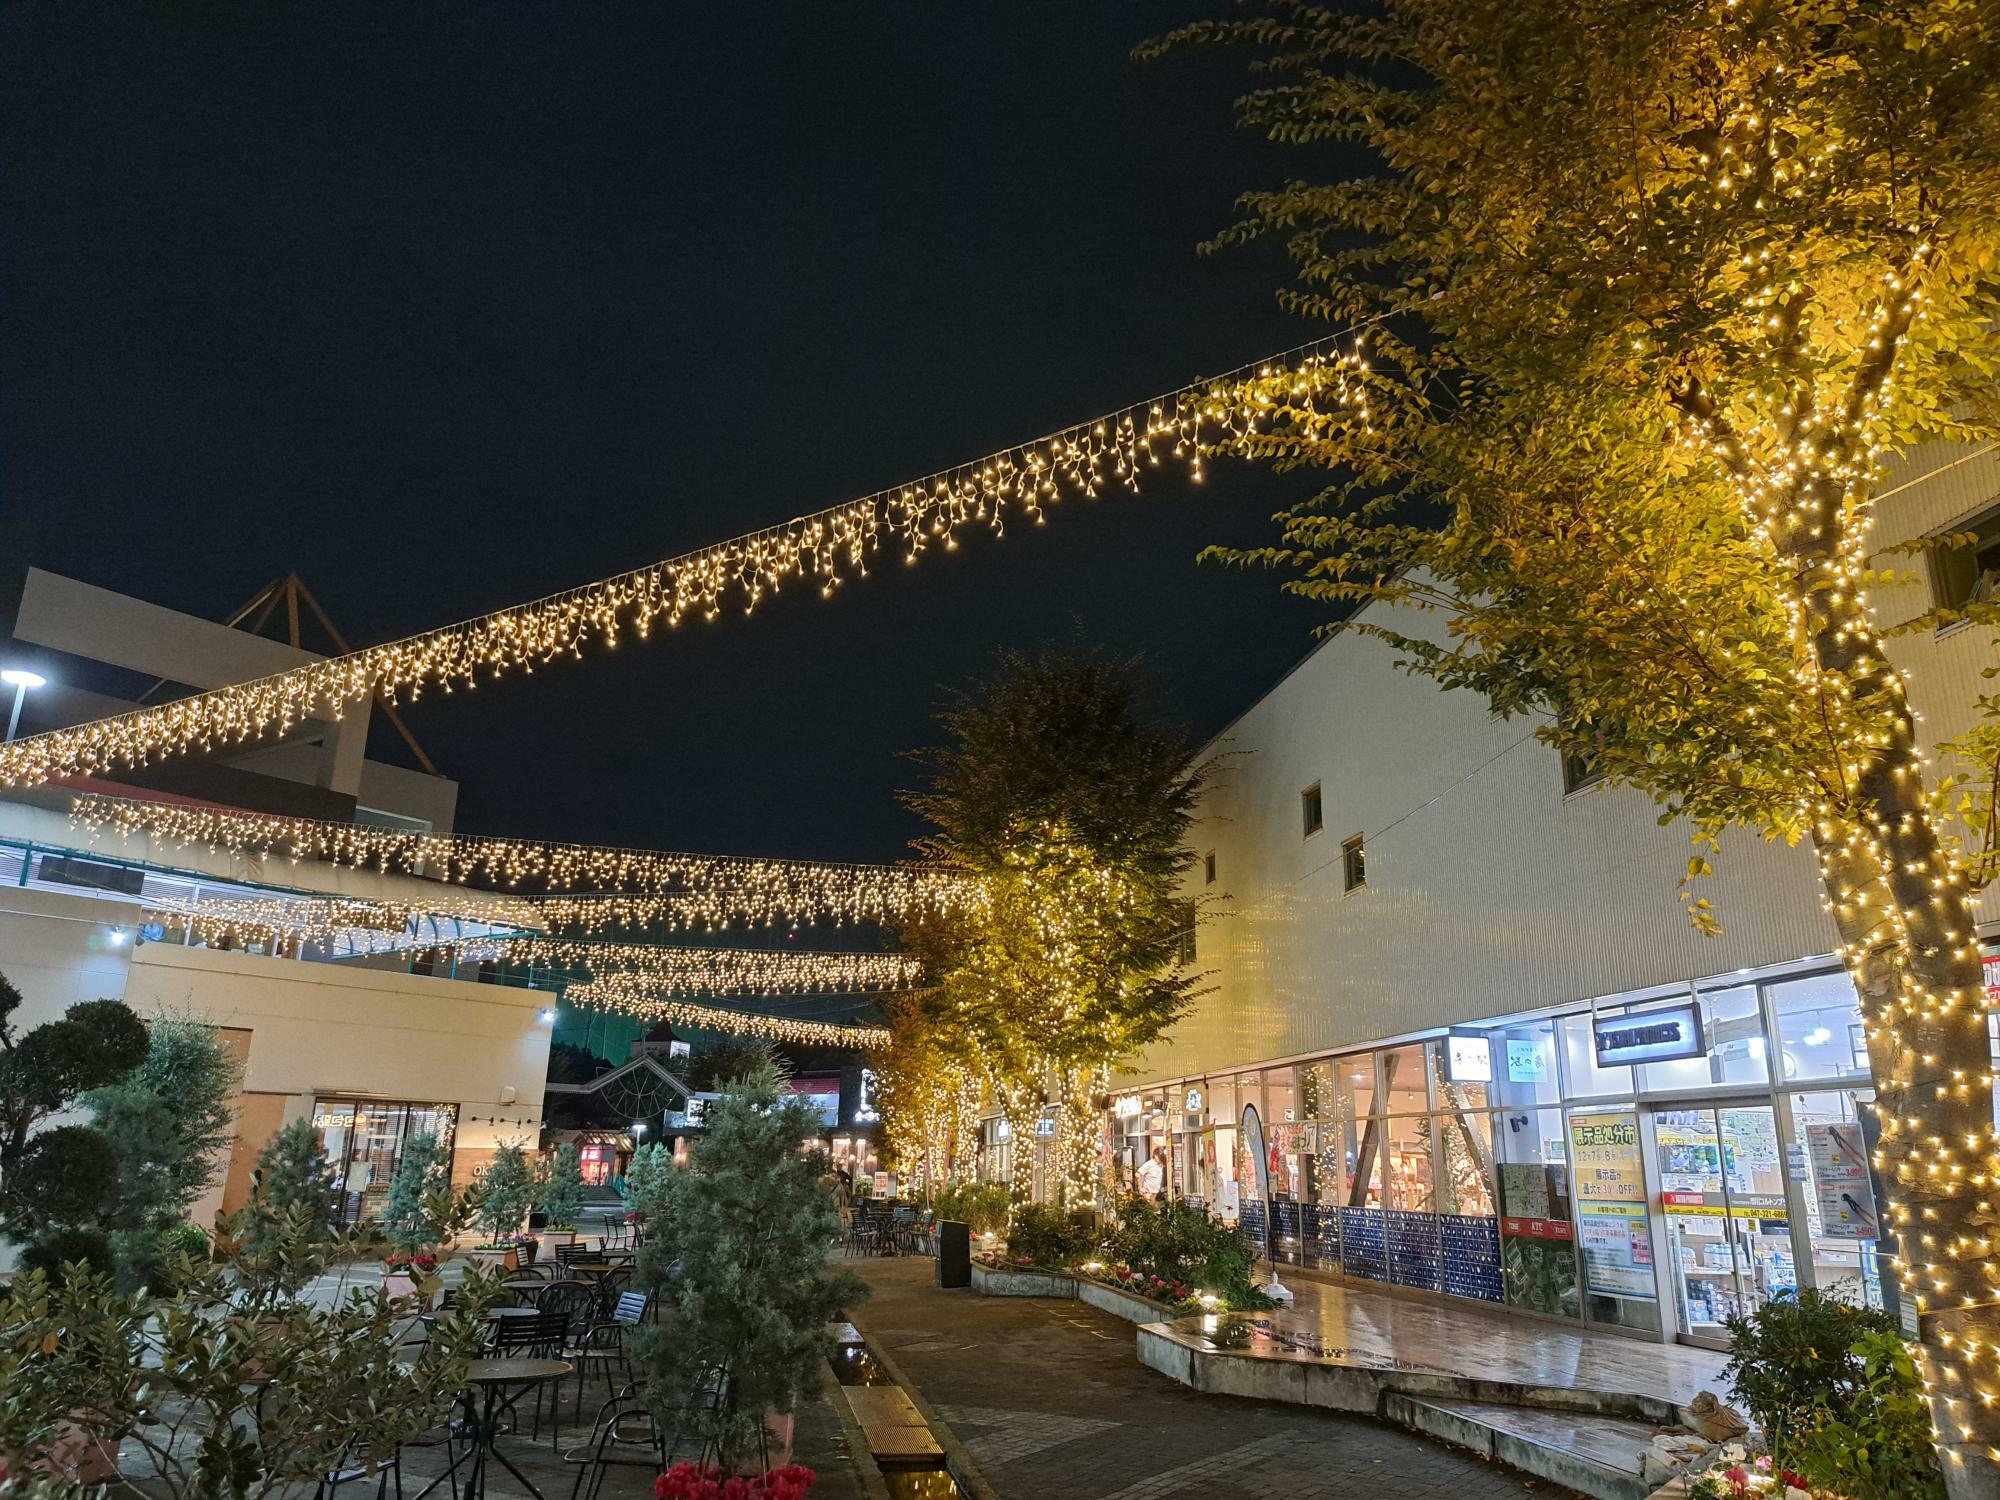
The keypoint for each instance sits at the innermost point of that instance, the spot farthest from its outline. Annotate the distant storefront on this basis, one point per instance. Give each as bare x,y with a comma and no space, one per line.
363,1140
1653,1165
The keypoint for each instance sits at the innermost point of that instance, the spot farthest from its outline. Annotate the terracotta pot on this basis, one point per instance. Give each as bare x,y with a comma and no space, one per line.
74,1455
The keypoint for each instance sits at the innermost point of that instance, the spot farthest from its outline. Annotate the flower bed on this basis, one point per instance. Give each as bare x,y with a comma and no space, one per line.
1739,1478
1124,1293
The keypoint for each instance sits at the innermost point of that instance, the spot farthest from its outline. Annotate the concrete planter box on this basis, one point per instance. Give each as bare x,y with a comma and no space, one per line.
1123,1304
989,1282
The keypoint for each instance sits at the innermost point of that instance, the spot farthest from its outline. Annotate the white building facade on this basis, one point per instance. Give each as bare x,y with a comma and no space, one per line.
373,1047
1488,1055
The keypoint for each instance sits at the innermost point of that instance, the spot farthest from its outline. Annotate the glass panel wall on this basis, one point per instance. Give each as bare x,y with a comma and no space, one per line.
363,1141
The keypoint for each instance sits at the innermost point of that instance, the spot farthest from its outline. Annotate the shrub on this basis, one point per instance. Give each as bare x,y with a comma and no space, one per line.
980,1206
1047,1236
50,1252
418,1194
1881,1448
1178,1242
1795,1355
293,1171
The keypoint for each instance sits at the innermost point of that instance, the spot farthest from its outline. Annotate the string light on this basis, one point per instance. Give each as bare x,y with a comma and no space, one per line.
820,549
654,969
631,887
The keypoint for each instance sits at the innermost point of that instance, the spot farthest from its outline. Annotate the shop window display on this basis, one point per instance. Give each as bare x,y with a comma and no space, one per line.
1843,1209
1406,1080
1538,1252
363,1141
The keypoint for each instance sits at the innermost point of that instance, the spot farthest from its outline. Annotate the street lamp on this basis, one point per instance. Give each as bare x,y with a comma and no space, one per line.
21,680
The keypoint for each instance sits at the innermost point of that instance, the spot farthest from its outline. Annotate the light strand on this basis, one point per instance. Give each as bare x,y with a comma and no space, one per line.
822,548
632,887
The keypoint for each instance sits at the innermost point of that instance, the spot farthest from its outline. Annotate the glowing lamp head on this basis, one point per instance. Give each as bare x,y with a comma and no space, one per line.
20,677
548,1015
118,937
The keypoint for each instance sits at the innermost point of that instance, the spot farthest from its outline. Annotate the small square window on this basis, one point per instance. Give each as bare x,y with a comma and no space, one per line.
1968,574
1580,771
1208,868
1309,808
1354,864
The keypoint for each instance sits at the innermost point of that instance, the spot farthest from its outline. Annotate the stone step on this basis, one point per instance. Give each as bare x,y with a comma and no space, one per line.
1596,1456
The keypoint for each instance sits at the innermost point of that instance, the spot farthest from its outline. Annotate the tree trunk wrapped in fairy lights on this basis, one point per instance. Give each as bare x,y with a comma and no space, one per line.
1641,298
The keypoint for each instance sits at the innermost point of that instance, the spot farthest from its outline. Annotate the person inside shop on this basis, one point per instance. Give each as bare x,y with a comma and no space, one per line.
1151,1180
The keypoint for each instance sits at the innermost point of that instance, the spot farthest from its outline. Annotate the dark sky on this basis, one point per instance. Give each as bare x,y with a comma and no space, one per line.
446,307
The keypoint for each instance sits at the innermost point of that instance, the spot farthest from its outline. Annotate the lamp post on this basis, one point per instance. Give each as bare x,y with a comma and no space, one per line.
22,681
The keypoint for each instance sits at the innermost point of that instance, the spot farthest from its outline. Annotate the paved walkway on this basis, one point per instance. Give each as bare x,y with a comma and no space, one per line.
1051,1403
1370,1326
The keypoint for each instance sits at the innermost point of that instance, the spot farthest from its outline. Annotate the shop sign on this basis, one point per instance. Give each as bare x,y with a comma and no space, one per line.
1536,1229
1654,1036
1194,1101
1468,1057
1990,966
1613,1227
1841,1187
1126,1106
1527,1061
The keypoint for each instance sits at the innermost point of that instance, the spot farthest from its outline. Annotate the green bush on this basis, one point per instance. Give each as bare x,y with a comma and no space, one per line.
1881,1448
980,1206
1178,1242
50,1252
1047,1236
1794,1356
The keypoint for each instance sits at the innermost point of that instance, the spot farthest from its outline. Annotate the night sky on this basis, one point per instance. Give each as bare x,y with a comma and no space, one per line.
448,307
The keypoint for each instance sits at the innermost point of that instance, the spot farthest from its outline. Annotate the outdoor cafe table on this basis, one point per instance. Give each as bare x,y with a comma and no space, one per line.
486,1378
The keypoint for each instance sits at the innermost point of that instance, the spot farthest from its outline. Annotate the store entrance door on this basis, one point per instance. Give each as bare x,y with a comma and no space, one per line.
1722,1191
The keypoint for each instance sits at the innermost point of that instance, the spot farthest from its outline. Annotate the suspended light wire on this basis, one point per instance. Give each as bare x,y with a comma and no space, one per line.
821,549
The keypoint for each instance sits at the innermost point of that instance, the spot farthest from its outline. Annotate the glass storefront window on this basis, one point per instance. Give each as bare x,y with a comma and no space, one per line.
1736,1048
1316,1091
1408,1173
1406,1080
363,1140
1819,1028
1843,1215
1538,1252
1465,1154
1354,1085
1281,1097
1583,1079
1471,1094
1524,1064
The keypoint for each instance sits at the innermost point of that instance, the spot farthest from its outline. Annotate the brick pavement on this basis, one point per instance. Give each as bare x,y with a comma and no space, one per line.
1051,1402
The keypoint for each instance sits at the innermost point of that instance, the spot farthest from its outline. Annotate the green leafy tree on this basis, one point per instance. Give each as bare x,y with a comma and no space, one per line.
1071,806
171,1120
642,1175
739,1249
723,1059
58,1184
422,1172
1648,293
561,1189
236,1386
510,1187
293,1172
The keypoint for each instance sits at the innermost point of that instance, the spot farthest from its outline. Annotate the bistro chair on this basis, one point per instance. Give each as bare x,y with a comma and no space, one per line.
539,1337
623,1436
603,1343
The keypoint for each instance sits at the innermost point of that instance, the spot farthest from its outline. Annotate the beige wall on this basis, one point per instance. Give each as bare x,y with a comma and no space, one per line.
1489,890
302,1029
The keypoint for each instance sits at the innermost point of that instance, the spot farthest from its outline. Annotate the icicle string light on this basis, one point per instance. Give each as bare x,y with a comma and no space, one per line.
821,549
636,887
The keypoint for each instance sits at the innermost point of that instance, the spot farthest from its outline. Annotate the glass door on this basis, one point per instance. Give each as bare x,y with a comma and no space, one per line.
1722,1190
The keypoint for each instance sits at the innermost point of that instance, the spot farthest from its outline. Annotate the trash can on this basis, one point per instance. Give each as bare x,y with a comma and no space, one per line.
954,1255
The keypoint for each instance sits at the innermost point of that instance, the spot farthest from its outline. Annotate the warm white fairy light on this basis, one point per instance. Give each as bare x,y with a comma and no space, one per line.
822,549
628,887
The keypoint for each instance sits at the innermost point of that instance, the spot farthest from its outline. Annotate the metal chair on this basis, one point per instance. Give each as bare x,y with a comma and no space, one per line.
623,1436
602,1344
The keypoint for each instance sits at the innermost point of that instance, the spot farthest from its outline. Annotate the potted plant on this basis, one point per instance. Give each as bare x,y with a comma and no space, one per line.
409,1278
508,1186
